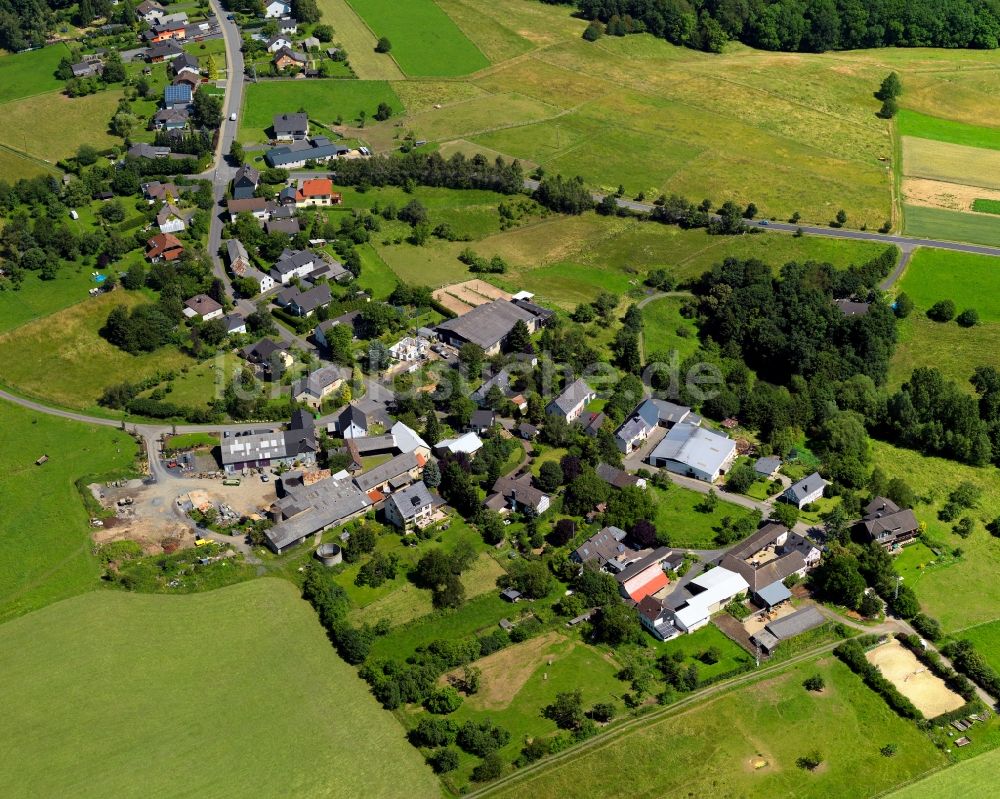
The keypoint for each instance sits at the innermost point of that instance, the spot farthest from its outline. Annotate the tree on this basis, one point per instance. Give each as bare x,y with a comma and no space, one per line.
870,605
481,738
841,217
584,493
814,683
383,112
550,476
114,69
903,305
489,768
207,110
593,31
471,357
741,478
443,700
602,711
211,68
383,45
968,318
889,109
324,33
520,339
432,475
785,513
432,428
86,155
627,506
617,624
891,88
531,578
135,277
123,124
942,311
236,153
567,710
443,760
837,578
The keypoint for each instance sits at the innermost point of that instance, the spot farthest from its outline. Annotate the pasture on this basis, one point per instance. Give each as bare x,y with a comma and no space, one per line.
952,163
37,298
972,281
666,330
914,124
738,744
358,39
986,638
323,100
27,74
952,225
425,40
972,778
959,592
165,686
46,541
54,358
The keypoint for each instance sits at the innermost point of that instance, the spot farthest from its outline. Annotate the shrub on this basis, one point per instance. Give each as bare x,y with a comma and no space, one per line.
968,318
889,750
444,700
602,711
443,760
488,769
814,683
383,45
432,731
810,761
927,626
903,306
942,311
481,738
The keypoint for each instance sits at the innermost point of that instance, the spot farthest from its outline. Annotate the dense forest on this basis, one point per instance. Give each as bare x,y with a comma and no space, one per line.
803,25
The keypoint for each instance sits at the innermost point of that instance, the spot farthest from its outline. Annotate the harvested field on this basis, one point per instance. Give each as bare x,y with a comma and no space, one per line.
940,194
456,306
913,679
460,298
955,163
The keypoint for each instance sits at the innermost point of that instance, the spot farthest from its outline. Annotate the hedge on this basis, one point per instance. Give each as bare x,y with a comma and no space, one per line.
970,663
852,653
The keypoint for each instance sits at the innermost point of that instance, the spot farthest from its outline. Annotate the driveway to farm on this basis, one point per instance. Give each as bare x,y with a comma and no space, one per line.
906,243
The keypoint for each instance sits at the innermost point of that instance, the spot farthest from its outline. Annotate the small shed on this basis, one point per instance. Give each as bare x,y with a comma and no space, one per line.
510,594
765,641
773,595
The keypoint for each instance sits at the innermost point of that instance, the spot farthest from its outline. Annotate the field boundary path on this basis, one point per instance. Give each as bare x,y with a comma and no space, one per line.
906,243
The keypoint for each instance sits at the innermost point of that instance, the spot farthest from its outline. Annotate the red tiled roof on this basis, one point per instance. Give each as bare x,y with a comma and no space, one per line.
655,583
164,245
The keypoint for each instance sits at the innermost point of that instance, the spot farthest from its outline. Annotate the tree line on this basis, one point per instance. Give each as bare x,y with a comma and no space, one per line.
431,169
802,25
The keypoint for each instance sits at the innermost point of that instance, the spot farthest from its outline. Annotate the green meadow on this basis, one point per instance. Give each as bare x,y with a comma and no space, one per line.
971,281
30,73
913,123
951,225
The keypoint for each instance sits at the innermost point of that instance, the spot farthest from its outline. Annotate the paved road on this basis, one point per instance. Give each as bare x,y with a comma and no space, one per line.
906,243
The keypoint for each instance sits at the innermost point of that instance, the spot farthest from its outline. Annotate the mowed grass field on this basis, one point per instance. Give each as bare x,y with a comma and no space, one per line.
37,298
964,592
27,74
921,126
953,163
953,349
323,100
745,743
972,281
425,40
940,223
986,637
357,38
44,534
62,358
114,694
975,779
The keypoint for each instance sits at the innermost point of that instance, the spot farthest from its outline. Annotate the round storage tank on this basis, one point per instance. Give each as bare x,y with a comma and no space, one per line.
329,554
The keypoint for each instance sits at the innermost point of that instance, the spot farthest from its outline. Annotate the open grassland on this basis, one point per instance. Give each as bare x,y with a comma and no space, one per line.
497,37
972,281
63,359
914,124
986,637
986,206
45,552
37,298
953,163
739,744
666,330
678,515
110,691
52,126
425,40
975,779
14,164
952,225
959,592
27,74
953,349
323,100
356,37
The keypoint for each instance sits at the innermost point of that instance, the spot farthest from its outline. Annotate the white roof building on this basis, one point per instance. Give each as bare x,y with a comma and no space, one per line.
468,443
694,452
711,592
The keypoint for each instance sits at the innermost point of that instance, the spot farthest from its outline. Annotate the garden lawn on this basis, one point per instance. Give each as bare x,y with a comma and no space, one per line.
191,441
323,100
740,744
971,778
962,593
37,298
27,74
684,525
46,552
731,655
178,673
63,359
971,281
52,126
425,40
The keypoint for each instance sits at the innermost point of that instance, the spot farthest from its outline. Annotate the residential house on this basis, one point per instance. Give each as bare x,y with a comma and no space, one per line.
516,494
286,57
307,509
305,303
166,31
767,467
177,96
571,402
288,26
316,191
887,524
163,247
156,191
805,491
618,478
290,227
410,507
276,9
292,264
187,79
259,207
647,575
392,475
467,443
245,182
769,557
502,381
694,452
171,219
592,422
360,417
164,51
269,356
852,307
410,349
691,607
86,69
648,415
238,257
320,384
606,548
234,324
185,63
481,420
349,319
290,127
527,431
171,119
295,155
144,150
203,307
149,12
656,618
489,325
275,43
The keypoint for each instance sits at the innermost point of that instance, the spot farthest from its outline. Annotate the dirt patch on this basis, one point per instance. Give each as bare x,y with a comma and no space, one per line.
506,672
914,680
940,194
